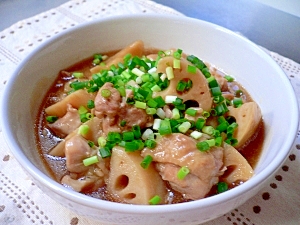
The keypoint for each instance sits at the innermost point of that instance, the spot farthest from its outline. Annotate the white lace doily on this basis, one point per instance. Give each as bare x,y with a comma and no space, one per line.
21,202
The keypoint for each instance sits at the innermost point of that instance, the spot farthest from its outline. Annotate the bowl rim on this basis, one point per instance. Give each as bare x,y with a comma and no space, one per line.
145,209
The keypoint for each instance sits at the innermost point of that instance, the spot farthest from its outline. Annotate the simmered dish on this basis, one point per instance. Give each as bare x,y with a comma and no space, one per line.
147,126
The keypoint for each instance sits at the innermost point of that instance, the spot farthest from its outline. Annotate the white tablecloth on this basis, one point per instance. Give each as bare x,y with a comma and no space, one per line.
21,202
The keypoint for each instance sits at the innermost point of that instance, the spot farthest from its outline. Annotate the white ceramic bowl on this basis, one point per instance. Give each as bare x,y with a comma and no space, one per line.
250,65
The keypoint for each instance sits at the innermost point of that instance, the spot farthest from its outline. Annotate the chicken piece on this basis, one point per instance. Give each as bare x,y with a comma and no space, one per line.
87,183
180,150
199,92
76,150
113,110
189,186
107,106
66,124
248,117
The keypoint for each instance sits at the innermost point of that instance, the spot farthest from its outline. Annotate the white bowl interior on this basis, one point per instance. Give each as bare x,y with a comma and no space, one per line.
250,65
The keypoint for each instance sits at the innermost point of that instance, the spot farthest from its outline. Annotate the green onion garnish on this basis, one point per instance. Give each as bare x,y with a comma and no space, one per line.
140,105
222,187
237,102
229,78
91,104
191,69
184,127
176,63
203,146
91,160
83,129
128,136
136,131
104,152
77,74
169,73
150,143
183,172
146,161
165,127
155,200
51,119
191,112
105,93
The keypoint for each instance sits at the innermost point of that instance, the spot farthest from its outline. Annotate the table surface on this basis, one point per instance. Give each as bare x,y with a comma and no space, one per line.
269,27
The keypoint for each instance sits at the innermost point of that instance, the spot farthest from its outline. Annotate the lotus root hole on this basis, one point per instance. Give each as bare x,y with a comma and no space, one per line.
121,182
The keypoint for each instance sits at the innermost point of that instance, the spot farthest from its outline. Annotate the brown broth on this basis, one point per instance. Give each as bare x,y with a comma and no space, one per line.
56,165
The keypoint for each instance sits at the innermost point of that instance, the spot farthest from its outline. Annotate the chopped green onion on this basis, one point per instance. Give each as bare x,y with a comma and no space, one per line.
140,105
128,136
78,74
51,119
191,69
196,134
177,54
176,63
123,123
91,160
113,137
137,72
83,129
101,141
175,114
104,152
165,127
147,134
131,146
136,131
216,91
237,102
161,113
206,114
182,172
160,101
91,104
146,161
191,112
218,141
203,146
200,123
222,187
155,200
208,130
181,86
105,93
150,111
212,82
211,142
91,144
170,99
184,127
82,110
150,143
169,73
229,78
156,124
152,103
155,88
222,126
